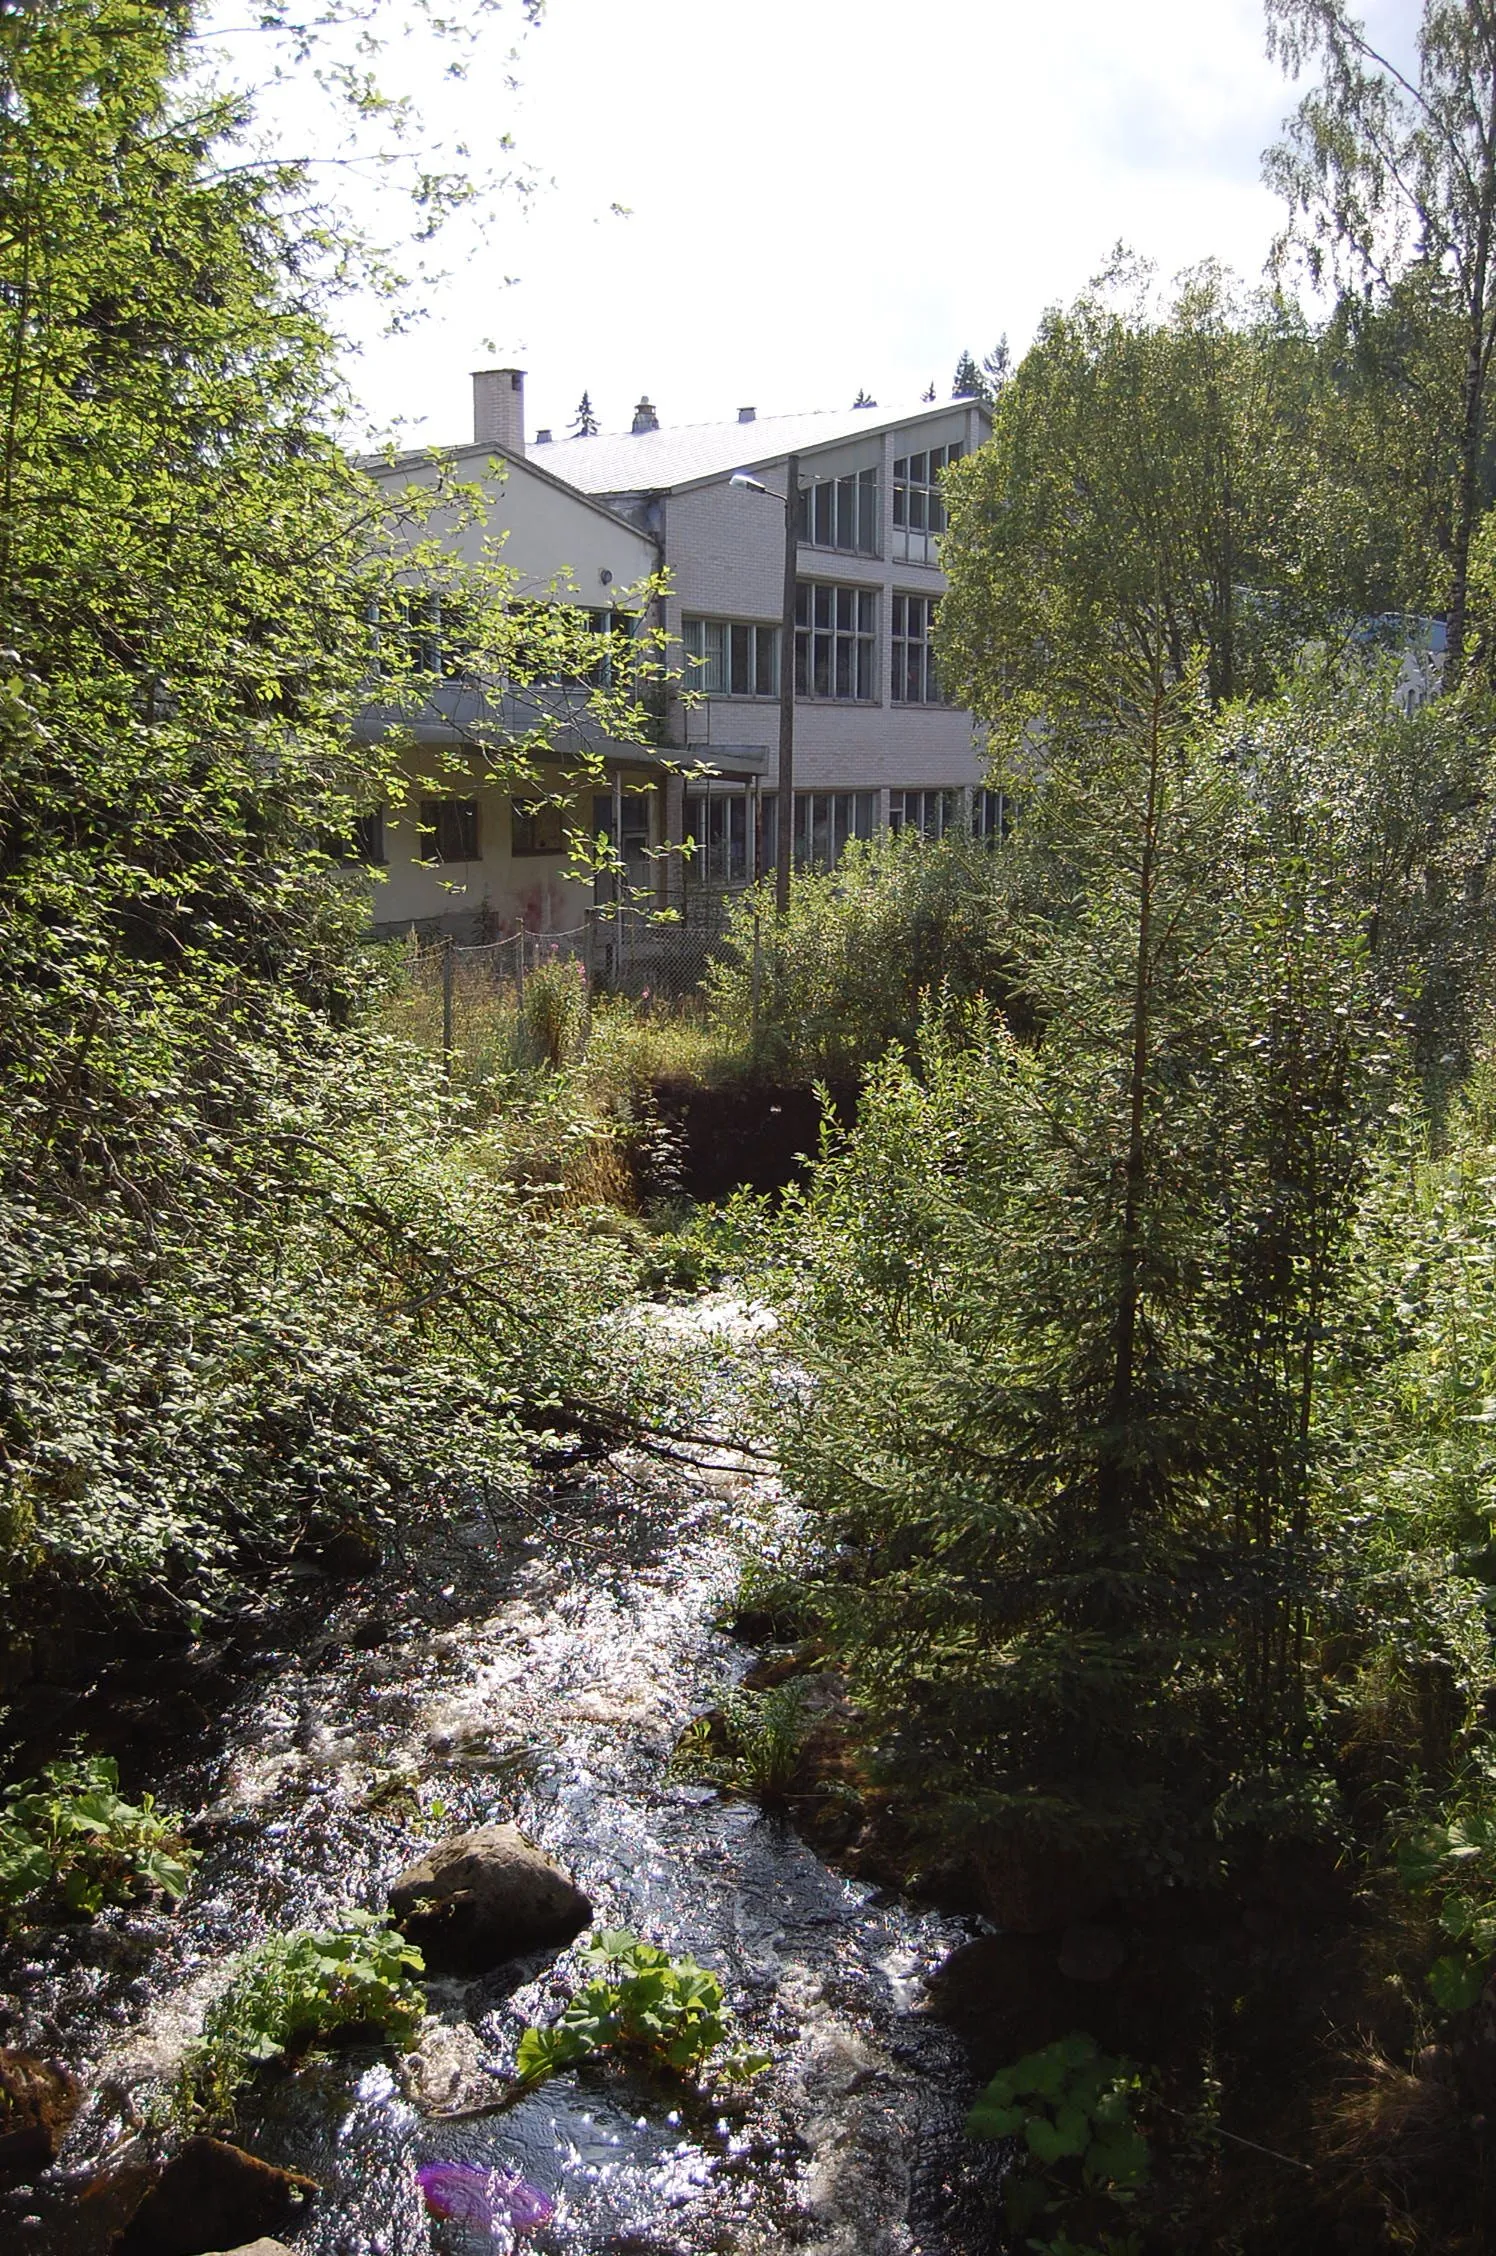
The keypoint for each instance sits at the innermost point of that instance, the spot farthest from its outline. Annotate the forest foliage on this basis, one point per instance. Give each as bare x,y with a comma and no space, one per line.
249,1289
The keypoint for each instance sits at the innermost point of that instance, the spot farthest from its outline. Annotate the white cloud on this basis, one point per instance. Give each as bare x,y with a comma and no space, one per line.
827,193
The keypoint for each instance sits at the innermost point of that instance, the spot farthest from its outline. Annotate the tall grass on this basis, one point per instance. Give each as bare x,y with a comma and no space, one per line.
556,1082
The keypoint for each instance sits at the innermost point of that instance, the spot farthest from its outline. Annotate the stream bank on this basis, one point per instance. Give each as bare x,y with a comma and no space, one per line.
537,1670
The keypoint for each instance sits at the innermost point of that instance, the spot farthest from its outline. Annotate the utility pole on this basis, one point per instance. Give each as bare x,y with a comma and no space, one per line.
784,831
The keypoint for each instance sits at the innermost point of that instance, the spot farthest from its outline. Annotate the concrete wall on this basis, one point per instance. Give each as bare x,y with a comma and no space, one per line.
533,524
500,893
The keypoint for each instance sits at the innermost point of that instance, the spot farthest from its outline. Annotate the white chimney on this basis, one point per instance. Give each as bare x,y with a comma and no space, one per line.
499,409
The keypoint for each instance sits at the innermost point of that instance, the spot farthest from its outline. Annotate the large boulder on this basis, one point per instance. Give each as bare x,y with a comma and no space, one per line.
214,2196
37,2102
255,2248
485,1896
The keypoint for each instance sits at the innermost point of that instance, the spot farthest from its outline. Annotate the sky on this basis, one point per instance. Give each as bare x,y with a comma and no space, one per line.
777,204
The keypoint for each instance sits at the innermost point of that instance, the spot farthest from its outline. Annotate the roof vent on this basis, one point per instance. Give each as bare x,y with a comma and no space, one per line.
645,418
543,438
746,414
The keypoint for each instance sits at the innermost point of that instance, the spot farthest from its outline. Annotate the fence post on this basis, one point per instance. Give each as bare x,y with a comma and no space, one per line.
448,953
758,975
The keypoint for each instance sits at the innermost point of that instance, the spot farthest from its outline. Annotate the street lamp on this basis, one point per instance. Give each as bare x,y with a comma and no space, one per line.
784,828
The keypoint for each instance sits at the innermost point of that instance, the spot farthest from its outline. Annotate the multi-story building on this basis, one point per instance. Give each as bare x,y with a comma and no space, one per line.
877,745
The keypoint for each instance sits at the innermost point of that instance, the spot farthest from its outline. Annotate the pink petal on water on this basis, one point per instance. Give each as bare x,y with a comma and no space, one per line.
529,2205
458,2189
489,2199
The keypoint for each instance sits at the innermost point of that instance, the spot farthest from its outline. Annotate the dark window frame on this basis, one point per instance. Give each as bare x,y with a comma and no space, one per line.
533,825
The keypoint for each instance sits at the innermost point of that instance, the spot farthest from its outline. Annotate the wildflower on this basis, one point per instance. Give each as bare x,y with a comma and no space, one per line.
490,2199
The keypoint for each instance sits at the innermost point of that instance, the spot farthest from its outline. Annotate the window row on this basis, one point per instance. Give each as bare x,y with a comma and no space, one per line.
718,824
436,636
835,637
918,503
447,830
842,513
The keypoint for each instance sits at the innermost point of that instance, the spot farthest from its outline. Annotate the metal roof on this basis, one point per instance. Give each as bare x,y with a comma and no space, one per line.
655,461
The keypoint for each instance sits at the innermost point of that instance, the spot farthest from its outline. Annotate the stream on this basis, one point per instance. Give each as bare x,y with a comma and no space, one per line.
538,1669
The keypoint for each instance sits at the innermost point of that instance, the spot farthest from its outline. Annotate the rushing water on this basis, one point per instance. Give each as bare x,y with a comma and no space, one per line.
539,1673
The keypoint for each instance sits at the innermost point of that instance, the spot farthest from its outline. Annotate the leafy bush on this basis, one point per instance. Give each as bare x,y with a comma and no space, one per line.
553,1011
373,1325
753,1743
293,1991
840,978
640,1999
1454,1865
1072,2106
70,1840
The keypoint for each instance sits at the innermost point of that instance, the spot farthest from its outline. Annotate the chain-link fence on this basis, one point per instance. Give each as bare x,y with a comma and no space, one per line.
517,984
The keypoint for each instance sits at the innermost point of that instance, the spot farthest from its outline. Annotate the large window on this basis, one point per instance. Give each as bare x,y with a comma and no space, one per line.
436,633
842,513
733,660
918,504
834,630
824,821
914,681
932,813
718,823
631,840
449,830
536,827
991,815
606,674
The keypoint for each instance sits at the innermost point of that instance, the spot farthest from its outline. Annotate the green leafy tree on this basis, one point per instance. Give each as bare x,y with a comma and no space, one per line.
1149,495
1390,175
1066,1311
217,1193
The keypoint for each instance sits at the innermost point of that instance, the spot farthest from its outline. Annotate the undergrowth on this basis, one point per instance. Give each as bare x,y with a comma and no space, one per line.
291,1993
71,1843
639,1999
751,1744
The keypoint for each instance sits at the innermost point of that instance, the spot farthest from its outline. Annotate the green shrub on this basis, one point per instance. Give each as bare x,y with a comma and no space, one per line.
1453,1865
640,1999
753,1744
840,978
1072,2106
70,1841
289,1994
553,1012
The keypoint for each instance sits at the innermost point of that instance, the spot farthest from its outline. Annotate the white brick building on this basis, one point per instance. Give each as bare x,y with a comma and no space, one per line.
875,745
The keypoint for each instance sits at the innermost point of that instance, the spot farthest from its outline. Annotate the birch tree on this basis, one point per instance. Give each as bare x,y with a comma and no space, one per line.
1389,171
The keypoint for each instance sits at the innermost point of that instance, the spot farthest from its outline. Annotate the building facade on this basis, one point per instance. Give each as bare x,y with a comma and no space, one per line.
463,853
877,745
